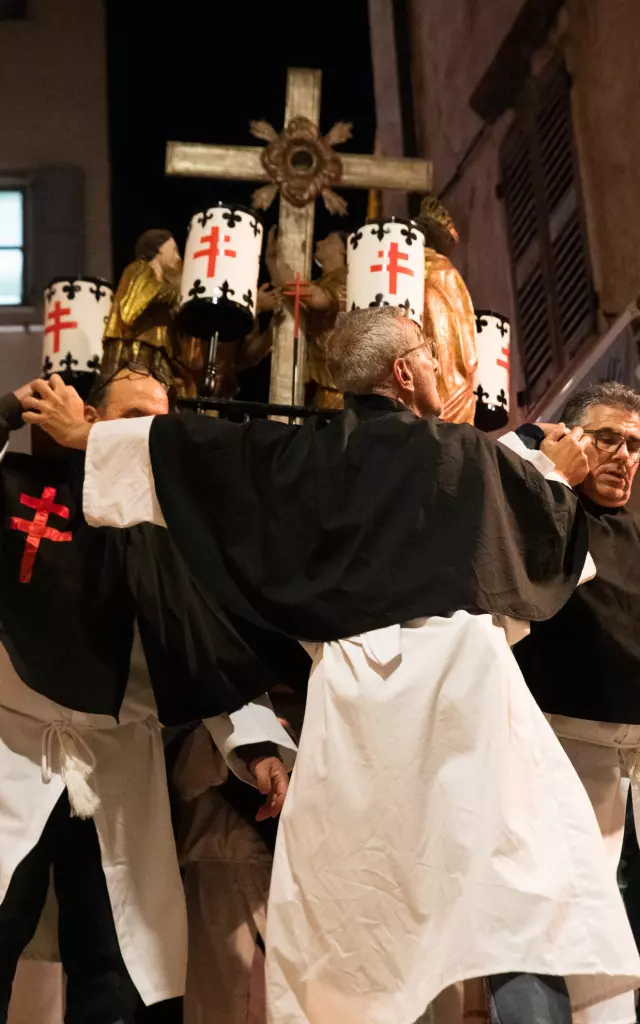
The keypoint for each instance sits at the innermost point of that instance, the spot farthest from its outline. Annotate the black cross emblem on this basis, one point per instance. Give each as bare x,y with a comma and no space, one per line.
378,301
232,218
98,292
354,239
204,217
502,399
481,394
380,232
255,227
502,327
406,305
248,298
47,367
49,293
409,235
94,364
226,291
197,289
71,289
480,323
353,306
68,361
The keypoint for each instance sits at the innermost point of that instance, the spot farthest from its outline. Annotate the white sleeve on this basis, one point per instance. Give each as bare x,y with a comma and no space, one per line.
542,463
118,481
254,723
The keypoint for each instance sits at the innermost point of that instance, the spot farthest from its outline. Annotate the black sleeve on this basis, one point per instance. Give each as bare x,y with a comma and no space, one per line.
531,435
11,412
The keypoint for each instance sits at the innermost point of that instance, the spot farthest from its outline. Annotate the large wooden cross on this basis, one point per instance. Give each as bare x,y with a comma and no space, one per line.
295,228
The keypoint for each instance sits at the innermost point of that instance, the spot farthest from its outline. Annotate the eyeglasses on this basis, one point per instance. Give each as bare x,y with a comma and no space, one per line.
610,442
429,343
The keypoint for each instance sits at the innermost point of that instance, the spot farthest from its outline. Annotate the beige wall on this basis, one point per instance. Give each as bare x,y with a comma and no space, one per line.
53,105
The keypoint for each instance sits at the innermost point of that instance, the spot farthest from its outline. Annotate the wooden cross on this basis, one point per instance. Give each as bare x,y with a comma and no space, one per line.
295,228
296,289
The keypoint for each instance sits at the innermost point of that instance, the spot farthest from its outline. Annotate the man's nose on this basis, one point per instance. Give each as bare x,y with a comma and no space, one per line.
623,455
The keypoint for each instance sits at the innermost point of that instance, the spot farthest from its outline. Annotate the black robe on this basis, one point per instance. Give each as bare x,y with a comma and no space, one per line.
585,662
377,517
68,609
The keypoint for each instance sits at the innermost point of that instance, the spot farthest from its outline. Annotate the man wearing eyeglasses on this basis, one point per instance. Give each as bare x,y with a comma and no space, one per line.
583,666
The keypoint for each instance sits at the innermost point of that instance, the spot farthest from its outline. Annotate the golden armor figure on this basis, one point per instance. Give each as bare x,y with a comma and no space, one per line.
141,328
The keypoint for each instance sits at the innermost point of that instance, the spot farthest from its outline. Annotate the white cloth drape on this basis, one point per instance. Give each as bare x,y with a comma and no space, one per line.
434,831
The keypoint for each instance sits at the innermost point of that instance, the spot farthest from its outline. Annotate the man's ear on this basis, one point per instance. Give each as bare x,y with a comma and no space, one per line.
91,414
403,375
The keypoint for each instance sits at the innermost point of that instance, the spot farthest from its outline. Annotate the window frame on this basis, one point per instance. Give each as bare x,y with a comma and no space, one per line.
21,185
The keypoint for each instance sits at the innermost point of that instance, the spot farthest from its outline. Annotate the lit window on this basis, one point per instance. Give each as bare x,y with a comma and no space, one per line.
11,247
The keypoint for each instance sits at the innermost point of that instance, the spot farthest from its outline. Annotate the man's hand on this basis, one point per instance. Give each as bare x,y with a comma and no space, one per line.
568,455
272,781
58,409
553,431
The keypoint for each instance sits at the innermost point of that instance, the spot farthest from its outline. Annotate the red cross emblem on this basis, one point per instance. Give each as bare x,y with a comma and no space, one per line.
393,266
505,362
36,529
57,324
212,251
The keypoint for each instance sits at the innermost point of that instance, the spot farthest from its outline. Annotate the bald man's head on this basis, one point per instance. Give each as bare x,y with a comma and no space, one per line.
128,394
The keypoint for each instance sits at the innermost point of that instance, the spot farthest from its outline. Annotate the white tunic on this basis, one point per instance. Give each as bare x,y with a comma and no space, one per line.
133,819
434,830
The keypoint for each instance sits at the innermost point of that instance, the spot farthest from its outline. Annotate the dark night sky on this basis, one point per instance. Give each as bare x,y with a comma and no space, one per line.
199,74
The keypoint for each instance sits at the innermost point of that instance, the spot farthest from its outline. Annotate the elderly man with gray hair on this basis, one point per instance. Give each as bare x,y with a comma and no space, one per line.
583,665
435,829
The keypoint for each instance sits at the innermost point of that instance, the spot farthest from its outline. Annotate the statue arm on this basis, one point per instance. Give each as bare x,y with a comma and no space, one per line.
255,347
144,288
314,296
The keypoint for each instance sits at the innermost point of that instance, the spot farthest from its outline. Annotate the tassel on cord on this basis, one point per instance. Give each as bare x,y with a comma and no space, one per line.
74,768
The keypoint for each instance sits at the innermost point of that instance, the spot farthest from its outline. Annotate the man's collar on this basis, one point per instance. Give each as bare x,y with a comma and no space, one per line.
373,402
596,510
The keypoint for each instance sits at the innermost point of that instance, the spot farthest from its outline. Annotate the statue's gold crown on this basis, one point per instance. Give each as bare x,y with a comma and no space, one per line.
432,209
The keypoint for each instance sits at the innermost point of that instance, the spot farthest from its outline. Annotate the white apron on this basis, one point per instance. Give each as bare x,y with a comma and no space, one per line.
133,818
434,831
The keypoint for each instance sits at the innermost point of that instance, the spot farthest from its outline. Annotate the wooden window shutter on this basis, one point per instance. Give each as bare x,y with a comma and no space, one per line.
549,252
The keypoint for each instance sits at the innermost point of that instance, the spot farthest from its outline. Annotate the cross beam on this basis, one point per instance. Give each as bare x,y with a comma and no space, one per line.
295,228
194,160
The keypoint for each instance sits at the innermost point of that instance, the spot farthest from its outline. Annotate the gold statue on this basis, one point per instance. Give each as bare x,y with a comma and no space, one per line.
448,314
141,327
322,301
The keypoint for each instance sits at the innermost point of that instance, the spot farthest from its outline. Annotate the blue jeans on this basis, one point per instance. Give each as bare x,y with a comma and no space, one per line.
528,999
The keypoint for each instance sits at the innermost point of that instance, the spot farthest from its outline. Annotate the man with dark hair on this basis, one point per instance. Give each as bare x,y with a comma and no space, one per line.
141,327
583,665
435,830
